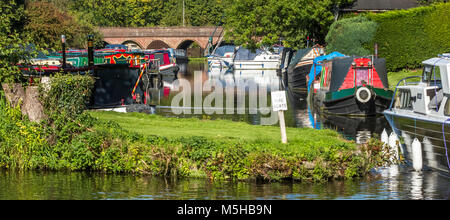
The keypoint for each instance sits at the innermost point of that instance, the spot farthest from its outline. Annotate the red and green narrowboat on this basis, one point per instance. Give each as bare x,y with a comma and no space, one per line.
353,86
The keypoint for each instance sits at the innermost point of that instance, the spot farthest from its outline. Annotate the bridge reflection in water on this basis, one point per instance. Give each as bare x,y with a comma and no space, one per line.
299,113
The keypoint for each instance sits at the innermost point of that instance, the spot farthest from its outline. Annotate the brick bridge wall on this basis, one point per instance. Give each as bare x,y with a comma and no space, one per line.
174,37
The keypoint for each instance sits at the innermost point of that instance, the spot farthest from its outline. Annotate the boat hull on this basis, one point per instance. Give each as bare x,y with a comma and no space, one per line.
296,78
256,65
428,132
345,103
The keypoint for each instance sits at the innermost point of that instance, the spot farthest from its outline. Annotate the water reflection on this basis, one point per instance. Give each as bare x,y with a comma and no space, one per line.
387,183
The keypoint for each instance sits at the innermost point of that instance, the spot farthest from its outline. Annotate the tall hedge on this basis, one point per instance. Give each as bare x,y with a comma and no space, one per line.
407,37
404,37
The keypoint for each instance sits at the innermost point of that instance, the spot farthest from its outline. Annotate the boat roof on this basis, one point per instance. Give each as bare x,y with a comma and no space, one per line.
442,60
316,69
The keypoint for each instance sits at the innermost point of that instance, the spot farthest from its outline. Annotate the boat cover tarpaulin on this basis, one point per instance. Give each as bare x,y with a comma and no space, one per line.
220,51
298,56
317,69
246,54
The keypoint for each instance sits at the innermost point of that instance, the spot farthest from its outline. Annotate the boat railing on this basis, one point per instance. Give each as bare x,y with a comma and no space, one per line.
405,83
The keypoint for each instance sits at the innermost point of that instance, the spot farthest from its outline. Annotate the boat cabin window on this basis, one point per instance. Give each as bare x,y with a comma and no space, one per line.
436,96
431,74
403,99
160,57
447,108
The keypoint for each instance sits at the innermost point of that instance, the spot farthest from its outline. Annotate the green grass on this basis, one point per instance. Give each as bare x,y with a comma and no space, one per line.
219,129
197,59
395,77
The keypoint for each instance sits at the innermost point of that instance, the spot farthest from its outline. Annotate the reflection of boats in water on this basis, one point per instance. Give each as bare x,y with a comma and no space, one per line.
268,78
359,129
420,115
298,105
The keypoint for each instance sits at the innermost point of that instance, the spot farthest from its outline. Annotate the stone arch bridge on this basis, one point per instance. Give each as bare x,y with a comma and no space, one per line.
161,37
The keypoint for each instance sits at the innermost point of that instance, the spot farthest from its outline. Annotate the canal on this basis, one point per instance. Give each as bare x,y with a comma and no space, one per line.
396,182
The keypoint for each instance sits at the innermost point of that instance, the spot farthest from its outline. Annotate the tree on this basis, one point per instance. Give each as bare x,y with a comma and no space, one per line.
255,23
349,36
14,46
46,23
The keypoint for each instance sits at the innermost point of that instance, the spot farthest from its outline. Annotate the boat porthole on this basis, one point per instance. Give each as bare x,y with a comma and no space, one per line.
363,95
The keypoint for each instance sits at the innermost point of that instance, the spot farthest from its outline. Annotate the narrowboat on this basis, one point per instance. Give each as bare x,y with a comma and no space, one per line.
167,62
299,67
420,116
352,86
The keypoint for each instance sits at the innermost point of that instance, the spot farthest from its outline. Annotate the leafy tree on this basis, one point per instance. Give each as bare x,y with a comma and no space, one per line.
46,23
349,36
264,22
14,46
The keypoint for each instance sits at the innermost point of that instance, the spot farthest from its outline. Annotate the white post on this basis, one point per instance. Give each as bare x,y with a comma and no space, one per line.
279,104
282,127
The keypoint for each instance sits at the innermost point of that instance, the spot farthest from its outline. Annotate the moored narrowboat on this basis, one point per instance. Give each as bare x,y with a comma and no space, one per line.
299,67
352,86
167,62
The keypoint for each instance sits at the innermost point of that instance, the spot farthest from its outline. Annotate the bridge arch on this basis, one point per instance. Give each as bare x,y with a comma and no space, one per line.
185,44
158,44
132,44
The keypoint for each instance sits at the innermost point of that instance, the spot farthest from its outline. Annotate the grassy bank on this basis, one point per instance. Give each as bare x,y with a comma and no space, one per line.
221,149
395,77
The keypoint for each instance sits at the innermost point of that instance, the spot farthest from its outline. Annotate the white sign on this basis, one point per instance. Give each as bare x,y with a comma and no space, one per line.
279,101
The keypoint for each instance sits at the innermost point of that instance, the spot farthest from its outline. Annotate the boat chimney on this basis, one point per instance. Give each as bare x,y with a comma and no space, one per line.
376,50
90,50
63,41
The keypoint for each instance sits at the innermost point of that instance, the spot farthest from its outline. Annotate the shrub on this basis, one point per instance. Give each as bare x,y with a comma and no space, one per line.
349,35
68,95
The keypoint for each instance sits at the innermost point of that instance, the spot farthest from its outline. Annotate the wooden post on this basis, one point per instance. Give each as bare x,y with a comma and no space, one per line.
279,104
282,127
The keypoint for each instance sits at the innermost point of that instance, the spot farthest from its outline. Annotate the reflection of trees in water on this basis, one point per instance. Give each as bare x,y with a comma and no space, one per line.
359,129
396,182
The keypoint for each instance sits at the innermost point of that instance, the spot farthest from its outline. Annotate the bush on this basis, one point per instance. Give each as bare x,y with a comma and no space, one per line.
349,35
68,95
407,37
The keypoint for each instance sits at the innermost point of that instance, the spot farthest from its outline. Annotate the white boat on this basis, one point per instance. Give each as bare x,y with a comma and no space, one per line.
239,58
421,116
245,59
222,57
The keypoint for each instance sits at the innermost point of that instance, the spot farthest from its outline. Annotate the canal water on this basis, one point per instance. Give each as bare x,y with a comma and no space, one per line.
396,182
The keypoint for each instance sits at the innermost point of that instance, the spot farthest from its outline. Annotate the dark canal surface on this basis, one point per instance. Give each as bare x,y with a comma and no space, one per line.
397,182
